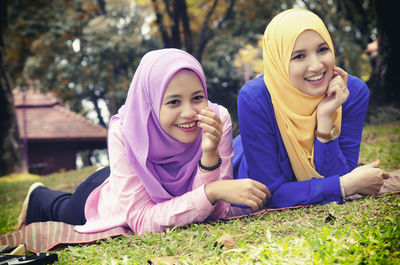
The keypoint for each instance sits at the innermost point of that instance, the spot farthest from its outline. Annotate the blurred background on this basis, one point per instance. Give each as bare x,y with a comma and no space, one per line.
80,55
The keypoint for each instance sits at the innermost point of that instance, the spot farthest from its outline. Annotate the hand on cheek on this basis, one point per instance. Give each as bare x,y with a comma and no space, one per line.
336,94
212,129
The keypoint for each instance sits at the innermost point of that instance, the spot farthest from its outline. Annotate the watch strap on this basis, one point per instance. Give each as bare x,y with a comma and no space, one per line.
327,136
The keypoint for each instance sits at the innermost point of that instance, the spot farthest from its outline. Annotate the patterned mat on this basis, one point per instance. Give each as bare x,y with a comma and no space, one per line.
43,236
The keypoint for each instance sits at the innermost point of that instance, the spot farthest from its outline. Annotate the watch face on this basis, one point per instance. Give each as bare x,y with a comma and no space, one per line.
334,133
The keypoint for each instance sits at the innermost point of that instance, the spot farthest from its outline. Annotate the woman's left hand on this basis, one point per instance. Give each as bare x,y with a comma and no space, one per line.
336,94
212,130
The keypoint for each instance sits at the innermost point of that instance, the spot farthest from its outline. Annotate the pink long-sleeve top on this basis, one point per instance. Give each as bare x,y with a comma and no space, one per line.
122,199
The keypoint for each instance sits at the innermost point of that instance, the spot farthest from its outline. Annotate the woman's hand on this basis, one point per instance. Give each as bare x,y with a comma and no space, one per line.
212,129
336,94
212,132
364,180
239,191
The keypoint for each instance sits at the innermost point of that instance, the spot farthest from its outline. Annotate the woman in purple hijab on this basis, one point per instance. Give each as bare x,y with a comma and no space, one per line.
170,153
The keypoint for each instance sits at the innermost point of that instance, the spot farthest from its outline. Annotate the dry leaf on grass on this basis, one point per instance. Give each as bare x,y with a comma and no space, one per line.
227,241
162,260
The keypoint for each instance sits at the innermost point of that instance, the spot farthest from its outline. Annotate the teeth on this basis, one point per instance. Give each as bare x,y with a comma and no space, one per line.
187,125
315,77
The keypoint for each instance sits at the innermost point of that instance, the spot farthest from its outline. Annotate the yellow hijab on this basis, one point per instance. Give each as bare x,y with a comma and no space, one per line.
295,111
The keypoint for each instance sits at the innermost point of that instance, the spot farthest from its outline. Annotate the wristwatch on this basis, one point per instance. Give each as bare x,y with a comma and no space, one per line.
332,135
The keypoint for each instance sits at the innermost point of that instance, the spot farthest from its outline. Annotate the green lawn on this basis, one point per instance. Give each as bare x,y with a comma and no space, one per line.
366,231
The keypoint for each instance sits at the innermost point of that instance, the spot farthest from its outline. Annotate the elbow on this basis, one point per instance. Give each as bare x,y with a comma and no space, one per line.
142,223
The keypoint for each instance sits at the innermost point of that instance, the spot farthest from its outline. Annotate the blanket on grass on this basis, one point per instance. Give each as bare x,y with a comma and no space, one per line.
44,236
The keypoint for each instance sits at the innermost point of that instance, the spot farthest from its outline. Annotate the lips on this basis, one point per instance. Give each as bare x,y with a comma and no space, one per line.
314,77
187,125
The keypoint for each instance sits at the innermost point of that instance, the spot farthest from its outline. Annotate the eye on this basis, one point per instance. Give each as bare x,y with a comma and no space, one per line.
173,102
323,49
298,56
198,98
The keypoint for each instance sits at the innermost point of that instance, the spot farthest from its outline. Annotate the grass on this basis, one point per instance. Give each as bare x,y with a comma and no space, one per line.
381,142
365,231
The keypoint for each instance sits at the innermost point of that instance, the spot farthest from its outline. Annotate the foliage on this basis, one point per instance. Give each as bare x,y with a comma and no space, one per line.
225,72
86,52
90,54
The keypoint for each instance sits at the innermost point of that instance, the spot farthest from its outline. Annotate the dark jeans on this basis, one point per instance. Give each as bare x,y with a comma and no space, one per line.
53,205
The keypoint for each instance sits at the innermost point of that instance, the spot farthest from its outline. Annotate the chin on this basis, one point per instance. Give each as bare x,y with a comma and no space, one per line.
316,92
187,140
322,92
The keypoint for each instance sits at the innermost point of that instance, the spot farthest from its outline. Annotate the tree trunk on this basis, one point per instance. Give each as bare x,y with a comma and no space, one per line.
179,13
10,151
187,33
175,29
95,100
385,79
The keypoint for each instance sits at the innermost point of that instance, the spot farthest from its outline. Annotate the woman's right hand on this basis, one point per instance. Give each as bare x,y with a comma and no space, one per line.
212,127
238,191
336,93
364,180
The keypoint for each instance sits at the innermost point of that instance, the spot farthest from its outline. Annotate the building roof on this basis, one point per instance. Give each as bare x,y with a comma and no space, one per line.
48,119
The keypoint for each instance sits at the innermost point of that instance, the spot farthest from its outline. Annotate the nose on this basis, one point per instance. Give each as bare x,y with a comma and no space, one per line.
315,63
188,111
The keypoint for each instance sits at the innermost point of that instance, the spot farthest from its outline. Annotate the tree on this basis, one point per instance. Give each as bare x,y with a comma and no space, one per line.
385,79
174,21
11,156
90,53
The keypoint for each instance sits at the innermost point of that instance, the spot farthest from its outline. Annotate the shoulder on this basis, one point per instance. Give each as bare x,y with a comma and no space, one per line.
223,112
254,98
355,84
115,136
224,116
115,129
359,92
254,89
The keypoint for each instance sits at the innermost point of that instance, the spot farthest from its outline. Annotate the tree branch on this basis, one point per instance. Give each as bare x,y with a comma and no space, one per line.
160,22
206,33
102,5
175,32
94,98
187,33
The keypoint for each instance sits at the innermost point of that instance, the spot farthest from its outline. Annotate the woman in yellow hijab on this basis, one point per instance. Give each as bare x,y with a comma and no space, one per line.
301,121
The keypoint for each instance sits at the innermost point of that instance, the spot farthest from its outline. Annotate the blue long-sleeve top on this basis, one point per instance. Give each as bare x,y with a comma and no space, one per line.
261,155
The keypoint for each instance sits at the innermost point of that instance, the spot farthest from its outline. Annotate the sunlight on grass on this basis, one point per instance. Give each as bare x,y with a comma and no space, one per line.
19,178
381,142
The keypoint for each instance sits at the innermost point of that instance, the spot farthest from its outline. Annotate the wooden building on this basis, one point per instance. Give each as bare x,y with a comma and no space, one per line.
53,134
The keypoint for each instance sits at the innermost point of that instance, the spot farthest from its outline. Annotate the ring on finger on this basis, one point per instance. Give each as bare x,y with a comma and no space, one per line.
344,89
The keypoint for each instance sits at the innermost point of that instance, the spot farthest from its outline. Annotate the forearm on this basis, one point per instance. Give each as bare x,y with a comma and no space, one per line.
179,211
329,159
314,191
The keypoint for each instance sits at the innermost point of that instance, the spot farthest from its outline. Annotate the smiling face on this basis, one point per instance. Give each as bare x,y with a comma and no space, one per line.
183,97
311,64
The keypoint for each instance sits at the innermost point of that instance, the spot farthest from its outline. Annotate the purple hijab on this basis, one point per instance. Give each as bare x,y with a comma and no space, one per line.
165,166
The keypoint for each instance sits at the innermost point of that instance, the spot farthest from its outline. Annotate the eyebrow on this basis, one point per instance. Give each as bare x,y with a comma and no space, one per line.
179,96
300,51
